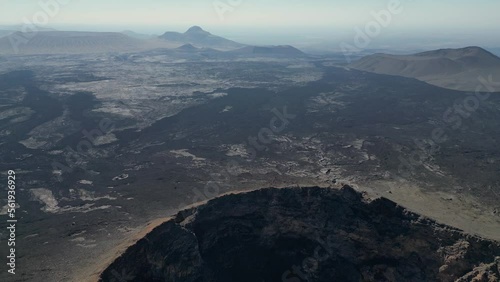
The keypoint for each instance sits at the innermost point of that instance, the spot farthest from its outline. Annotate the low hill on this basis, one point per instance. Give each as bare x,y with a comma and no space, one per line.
281,50
457,69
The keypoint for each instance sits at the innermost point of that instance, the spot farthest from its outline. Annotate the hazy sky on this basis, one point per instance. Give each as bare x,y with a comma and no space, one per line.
264,13
312,17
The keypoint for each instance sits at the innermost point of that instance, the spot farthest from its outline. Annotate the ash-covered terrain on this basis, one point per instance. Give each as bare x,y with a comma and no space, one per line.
104,143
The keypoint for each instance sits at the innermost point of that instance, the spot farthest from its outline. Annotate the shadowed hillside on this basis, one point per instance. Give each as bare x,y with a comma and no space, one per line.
308,234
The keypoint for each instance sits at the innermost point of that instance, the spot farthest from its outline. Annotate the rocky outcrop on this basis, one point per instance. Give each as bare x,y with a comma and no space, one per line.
305,234
484,273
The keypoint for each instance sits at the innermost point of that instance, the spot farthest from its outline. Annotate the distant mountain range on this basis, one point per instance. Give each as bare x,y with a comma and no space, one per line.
189,51
457,69
194,40
55,42
10,29
200,38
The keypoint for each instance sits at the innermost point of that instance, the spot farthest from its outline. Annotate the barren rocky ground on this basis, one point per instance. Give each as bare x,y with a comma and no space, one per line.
101,148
